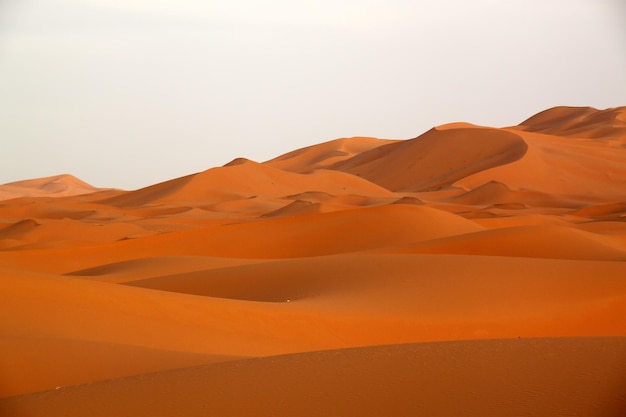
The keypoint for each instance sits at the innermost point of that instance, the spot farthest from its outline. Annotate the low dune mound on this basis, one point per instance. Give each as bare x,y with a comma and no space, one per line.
244,179
490,378
67,230
18,229
78,207
423,287
490,192
312,196
305,235
296,207
140,268
543,241
409,200
611,211
325,154
316,234
436,159
91,361
583,122
494,193
55,186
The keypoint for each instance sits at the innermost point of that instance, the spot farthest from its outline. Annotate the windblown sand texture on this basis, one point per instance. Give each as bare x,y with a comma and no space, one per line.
471,271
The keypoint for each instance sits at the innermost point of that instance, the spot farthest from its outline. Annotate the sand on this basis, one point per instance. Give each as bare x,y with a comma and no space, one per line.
470,271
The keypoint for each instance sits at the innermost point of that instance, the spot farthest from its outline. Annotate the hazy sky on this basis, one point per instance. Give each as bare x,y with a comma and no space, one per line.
127,93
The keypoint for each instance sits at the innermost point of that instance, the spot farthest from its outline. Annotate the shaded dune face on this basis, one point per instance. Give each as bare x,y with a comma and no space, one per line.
436,159
468,271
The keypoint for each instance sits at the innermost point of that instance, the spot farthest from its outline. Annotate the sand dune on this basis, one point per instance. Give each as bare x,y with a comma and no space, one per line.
538,241
272,308
436,159
582,122
496,193
59,185
30,231
245,179
579,377
145,267
468,271
326,154
581,170
41,364
284,237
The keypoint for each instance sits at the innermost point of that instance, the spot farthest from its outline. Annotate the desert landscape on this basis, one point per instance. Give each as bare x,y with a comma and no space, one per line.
470,271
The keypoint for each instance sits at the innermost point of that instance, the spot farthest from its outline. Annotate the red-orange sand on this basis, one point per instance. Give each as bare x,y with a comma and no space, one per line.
471,271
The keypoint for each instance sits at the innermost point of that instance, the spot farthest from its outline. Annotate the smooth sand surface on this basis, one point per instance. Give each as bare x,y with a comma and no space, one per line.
547,377
469,271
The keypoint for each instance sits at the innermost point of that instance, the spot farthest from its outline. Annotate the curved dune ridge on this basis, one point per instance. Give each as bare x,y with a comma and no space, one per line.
470,271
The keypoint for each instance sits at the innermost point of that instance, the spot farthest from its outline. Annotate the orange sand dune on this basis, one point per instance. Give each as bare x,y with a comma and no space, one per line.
539,241
145,267
271,308
580,377
40,364
496,193
30,231
283,237
435,159
610,211
326,154
316,283
246,179
59,185
582,170
583,122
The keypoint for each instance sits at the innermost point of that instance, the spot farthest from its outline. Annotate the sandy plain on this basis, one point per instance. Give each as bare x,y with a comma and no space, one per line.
469,271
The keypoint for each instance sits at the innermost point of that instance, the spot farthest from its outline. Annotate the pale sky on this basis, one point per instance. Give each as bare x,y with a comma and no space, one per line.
128,93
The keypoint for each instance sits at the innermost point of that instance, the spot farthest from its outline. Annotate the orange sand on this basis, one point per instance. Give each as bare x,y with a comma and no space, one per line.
469,271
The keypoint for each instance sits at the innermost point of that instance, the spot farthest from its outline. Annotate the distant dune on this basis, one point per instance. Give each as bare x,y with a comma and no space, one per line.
56,186
470,271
